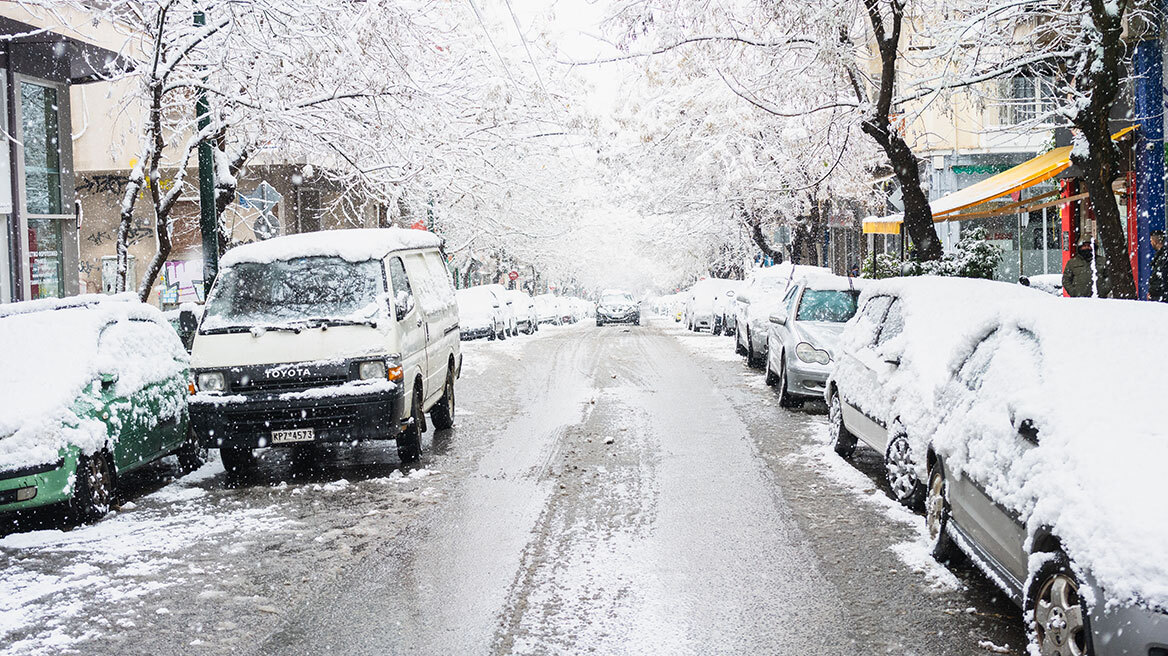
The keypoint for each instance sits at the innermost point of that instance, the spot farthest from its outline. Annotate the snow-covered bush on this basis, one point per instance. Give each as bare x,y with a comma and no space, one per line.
974,257
887,265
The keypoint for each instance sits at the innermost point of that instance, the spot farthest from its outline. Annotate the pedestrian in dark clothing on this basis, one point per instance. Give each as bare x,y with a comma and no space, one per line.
1158,280
1079,279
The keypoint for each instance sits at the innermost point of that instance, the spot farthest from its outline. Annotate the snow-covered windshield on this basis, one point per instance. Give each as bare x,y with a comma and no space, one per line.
832,305
287,291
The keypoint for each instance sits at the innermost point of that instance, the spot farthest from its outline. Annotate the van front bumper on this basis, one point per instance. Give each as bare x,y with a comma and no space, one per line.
247,421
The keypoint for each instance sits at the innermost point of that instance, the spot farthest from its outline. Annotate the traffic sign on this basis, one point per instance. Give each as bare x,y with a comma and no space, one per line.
513,276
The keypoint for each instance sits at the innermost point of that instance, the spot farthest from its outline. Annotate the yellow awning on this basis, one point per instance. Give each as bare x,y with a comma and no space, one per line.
1026,174
884,225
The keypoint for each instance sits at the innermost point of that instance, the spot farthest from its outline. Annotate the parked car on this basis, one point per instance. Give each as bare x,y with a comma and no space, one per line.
803,341
1054,493
94,387
868,402
1051,283
332,336
479,314
724,307
701,302
526,315
510,317
547,308
616,306
761,295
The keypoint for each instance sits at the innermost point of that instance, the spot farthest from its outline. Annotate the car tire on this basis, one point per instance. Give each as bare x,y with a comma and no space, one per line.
937,511
599,323
900,472
442,414
409,442
752,359
717,329
771,378
1053,611
786,399
738,347
94,487
236,460
841,439
493,336
191,456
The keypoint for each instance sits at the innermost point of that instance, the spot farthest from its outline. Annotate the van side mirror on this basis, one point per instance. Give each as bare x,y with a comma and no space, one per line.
188,324
403,304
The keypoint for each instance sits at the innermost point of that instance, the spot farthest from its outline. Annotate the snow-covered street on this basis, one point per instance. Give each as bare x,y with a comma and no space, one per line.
605,490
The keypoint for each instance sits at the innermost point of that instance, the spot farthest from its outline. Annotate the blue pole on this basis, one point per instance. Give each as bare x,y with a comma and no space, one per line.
1149,114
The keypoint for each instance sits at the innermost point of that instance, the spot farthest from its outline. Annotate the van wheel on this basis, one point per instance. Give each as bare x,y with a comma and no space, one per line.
236,460
93,487
409,443
442,414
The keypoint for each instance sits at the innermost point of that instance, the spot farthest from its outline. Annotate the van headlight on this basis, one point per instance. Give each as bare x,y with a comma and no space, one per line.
372,370
211,381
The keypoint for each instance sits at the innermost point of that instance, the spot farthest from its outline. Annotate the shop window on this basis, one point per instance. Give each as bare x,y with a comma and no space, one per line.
40,132
45,251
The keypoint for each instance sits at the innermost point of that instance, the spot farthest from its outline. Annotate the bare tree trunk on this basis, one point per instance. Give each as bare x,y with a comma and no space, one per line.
1100,164
918,216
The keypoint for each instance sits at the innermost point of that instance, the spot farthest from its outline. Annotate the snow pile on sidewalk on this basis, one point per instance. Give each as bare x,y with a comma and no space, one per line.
52,363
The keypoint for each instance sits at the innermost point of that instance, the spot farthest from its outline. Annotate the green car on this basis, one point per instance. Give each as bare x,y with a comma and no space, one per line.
92,387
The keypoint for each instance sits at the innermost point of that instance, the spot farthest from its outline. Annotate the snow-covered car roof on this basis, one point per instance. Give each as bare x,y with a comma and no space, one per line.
354,245
832,282
50,355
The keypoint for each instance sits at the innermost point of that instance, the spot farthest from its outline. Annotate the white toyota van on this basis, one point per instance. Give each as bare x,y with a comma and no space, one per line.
333,336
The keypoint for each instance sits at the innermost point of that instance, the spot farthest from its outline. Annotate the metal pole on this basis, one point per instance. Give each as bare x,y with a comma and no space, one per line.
1148,66
208,221
1045,243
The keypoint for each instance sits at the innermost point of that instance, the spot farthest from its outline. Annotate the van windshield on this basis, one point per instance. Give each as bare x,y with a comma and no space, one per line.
290,291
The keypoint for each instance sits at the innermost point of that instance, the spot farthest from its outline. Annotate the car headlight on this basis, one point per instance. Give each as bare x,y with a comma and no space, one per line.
372,370
809,353
211,381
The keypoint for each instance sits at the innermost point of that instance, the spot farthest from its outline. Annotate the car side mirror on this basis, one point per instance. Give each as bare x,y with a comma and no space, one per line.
743,299
108,378
893,360
779,318
730,294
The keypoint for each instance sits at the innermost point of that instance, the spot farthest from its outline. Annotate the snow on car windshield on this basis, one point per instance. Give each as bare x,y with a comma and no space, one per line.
285,291
833,305
616,299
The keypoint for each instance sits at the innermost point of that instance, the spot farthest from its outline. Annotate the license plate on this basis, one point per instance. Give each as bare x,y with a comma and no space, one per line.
294,435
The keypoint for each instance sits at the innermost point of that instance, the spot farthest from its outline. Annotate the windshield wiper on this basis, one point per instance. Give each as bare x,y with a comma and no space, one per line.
325,322
226,330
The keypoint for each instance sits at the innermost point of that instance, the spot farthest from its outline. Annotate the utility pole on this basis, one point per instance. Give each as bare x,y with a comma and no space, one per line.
208,221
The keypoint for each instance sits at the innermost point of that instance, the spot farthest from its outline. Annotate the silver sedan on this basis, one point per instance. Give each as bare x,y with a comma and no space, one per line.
803,336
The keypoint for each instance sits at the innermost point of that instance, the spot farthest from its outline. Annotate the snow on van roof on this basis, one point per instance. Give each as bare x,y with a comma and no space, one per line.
354,245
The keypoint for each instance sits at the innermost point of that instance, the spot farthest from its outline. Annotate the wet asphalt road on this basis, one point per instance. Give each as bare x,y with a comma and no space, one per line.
606,490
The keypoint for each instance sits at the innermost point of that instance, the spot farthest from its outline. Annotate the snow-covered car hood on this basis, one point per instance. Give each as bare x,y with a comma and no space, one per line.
820,334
